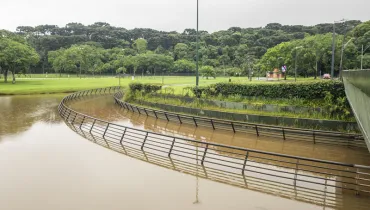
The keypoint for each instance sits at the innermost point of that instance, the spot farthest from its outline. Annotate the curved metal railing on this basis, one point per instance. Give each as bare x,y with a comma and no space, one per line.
304,173
285,133
332,200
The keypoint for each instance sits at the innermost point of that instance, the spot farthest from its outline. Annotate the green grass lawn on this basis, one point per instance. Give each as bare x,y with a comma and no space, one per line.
64,85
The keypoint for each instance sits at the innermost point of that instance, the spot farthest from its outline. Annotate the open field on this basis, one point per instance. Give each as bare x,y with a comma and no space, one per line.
42,85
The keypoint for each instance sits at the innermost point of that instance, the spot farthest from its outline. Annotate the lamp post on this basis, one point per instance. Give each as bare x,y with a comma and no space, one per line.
296,58
362,54
333,49
197,62
341,57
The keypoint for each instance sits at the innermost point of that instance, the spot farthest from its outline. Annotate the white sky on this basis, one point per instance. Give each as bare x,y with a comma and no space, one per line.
177,15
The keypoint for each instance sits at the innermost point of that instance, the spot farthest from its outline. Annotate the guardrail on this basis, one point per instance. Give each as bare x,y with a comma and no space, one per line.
285,133
303,173
332,200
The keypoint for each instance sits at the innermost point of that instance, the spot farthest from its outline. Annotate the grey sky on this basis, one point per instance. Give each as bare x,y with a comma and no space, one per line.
177,15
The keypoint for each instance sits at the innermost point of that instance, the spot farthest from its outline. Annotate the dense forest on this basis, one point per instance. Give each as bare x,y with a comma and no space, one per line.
101,49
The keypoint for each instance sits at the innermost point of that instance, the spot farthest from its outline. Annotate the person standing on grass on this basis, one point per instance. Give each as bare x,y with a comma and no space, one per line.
283,70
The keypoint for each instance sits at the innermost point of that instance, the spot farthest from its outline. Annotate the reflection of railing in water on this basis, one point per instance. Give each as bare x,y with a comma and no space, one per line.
315,136
325,177
234,179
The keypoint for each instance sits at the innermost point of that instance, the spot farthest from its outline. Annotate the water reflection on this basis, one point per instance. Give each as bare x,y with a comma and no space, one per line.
327,198
104,108
19,113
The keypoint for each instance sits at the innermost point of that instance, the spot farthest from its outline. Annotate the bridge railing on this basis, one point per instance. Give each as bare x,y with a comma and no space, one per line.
305,173
285,133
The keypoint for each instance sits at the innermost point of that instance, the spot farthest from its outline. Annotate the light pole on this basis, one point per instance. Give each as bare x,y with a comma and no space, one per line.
342,51
333,49
341,57
197,62
362,54
296,58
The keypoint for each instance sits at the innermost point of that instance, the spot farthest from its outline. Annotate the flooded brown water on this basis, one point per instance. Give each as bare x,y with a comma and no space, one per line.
104,108
45,165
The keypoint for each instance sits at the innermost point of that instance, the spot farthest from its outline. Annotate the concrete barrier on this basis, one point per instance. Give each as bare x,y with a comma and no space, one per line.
357,84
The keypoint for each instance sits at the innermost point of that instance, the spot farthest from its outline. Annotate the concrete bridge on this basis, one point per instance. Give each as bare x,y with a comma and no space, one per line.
357,84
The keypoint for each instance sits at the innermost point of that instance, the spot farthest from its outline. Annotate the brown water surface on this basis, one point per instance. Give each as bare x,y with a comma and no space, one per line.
45,165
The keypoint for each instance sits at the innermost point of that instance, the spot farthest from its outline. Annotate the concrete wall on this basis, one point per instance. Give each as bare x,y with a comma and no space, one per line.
357,85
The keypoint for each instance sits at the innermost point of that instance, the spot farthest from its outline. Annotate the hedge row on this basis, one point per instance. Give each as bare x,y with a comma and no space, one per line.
309,91
146,88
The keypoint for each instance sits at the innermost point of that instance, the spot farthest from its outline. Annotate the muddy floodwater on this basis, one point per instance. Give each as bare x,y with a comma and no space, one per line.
45,165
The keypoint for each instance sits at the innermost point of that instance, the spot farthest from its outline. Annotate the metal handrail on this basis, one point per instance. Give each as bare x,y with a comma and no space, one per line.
316,136
324,198
300,170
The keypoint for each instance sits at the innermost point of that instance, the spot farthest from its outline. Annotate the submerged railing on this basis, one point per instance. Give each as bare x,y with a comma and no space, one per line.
285,133
304,173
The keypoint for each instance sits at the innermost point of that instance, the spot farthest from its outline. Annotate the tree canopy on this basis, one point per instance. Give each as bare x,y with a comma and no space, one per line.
103,48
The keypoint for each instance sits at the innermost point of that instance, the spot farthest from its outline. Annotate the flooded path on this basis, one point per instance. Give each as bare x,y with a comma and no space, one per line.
45,165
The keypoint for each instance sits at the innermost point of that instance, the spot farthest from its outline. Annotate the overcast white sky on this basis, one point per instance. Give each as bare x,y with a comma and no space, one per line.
177,15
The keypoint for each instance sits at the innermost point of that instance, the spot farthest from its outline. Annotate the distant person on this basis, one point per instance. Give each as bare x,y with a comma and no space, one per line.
283,70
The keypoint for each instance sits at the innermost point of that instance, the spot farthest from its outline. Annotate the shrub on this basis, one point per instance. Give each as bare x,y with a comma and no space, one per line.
308,91
136,87
198,91
151,88
169,90
146,88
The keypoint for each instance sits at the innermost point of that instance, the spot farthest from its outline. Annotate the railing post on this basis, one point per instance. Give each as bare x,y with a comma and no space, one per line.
155,114
178,116
173,143
146,112
74,119
82,122
68,115
165,114
284,134
204,155
357,178
245,162
92,126
257,131
213,126
142,146
138,110
296,172
132,108
232,125
314,137
105,130
195,122
123,135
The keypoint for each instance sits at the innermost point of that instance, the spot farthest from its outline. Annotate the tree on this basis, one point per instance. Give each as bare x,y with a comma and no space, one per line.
180,51
184,66
207,71
233,71
16,56
140,45
59,61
